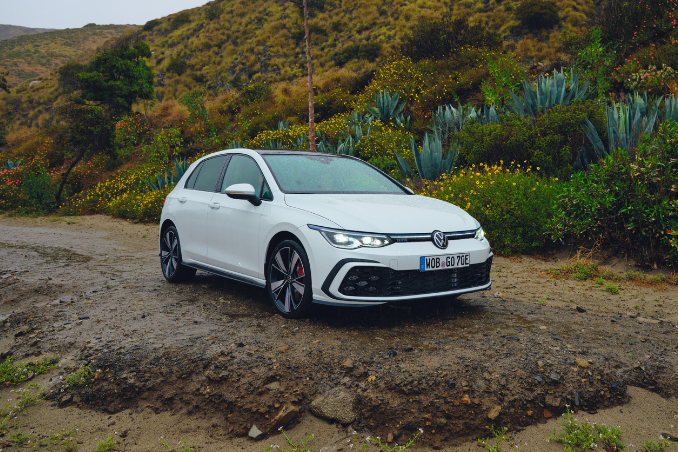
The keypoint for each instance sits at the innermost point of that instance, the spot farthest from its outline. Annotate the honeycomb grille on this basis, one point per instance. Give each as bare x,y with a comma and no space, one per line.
370,281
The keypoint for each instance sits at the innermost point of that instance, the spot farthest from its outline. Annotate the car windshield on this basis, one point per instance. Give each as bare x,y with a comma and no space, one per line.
303,173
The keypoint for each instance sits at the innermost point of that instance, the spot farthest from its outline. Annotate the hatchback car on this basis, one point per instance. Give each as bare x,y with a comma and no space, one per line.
318,228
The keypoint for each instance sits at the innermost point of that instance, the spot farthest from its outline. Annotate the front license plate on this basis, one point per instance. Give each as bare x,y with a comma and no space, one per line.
428,263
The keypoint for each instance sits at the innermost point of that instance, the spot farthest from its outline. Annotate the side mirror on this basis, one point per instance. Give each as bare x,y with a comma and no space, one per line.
243,191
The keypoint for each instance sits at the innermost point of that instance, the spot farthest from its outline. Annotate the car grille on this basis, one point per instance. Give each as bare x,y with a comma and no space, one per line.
367,281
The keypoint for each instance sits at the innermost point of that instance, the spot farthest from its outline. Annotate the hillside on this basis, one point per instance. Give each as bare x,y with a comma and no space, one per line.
31,56
236,41
11,31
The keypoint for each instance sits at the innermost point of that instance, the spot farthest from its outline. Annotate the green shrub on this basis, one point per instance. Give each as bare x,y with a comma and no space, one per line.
436,39
213,11
513,205
165,144
144,206
255,92
151,24
37,187
129,133
177,66
626,201
368,51
537,14
179,20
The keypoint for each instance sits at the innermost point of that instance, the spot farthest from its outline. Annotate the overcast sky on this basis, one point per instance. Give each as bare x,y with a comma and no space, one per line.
77,13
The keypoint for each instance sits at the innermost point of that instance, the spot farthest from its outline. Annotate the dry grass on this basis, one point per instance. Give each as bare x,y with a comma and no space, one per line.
583,269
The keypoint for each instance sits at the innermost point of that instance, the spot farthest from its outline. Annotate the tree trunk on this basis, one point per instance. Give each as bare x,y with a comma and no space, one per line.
311,112
80,154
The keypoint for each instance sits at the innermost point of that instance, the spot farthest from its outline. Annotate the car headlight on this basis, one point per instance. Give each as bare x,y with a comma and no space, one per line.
480,235
352,240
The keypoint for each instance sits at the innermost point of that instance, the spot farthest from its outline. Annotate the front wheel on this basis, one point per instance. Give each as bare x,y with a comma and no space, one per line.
289,280
170,258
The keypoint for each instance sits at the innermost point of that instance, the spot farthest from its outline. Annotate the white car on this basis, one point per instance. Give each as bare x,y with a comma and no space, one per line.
318,228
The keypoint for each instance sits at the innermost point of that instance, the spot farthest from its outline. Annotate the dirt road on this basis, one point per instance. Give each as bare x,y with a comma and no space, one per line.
214,352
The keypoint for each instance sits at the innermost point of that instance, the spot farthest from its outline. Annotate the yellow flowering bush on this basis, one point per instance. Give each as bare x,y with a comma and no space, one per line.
137,206
287,137
512,203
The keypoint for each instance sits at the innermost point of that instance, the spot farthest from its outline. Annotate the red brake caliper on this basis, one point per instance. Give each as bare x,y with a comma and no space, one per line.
300,271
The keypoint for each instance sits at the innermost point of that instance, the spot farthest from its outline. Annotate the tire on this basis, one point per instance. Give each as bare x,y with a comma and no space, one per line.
170,258
288,280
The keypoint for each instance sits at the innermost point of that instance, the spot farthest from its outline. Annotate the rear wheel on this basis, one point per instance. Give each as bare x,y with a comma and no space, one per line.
170,258
289,280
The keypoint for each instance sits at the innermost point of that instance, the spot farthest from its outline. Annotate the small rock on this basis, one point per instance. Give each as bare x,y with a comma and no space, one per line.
547,414
670,438
83,317
580,309
65,399
76,399
389,437
552,401
335,405
581,362
283,349
273,386
212,375
284,416
466,400
392,353
651,321
451,383
348,364
494,412
124,433
255,433
359,371
22,331
554,376
530,412
538,379
64,300
441,422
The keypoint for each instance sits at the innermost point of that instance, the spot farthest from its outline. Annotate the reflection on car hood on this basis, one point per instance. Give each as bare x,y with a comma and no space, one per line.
393,214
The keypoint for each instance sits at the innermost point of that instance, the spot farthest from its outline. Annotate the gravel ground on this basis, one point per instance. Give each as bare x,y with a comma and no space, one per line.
213,357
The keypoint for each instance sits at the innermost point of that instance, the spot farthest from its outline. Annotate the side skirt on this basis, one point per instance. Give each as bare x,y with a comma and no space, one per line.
226,274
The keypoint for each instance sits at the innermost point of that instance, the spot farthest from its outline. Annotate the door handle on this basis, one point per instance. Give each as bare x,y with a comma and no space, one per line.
182,200
214,205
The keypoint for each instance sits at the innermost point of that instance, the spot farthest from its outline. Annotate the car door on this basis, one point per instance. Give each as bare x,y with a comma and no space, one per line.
196,196
234,224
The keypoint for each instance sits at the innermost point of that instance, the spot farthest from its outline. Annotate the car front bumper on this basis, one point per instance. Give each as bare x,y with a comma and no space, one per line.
369,276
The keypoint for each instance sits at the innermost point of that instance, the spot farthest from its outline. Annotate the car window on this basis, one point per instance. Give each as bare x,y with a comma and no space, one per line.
194,175
322,173
207,178
244,170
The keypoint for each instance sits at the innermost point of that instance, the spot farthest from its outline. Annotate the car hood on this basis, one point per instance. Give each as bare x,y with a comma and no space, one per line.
390,214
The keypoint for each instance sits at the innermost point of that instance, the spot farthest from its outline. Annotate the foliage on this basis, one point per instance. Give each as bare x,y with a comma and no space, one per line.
388,108
435,39
368,51
506,76
129,133
537,14
586,436
550,91
182,447
37,188
255,92
195,102
83,376
431,161
660,445
138,205
108,444
495,444
213,11
657,81
179,20
627,124
118,77
11,164
68,75
165,144
177,66
549,143
287,138
513,204
167,178
12,374
627,200
3,82
32,57
591,58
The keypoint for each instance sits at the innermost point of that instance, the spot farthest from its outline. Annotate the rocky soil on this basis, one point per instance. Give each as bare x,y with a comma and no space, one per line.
89,289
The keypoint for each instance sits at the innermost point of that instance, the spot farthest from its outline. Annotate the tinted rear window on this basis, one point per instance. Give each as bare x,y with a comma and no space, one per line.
207,178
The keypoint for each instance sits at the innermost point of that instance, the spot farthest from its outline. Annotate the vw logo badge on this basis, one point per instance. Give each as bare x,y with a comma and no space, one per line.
439,239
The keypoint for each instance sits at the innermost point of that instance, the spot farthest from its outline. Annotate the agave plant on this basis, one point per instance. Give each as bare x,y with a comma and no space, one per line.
11,164
235,144
550,91
168,179
282,125
626,124
671,108
450,119
431,163
388,107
